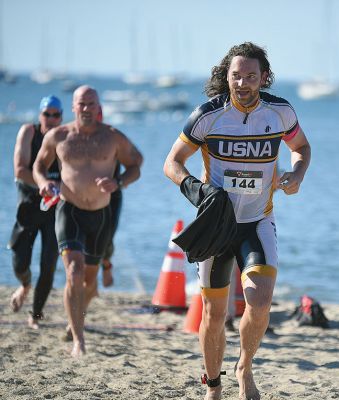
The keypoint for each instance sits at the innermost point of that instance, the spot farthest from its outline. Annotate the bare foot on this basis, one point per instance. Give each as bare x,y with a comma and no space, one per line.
213,393
78,349
18,297
33,322
107,275
247,387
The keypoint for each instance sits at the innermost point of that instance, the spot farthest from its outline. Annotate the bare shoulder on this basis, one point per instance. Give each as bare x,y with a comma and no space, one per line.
127,151
26,131
59,133
113,131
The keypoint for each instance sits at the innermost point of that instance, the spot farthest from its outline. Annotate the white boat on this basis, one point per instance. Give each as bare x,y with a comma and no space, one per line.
169,102
124,101
135,79
317,89
167,81
42,76
132,102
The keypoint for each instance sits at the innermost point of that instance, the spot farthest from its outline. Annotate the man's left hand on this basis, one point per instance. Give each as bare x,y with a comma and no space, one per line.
289,182
106,185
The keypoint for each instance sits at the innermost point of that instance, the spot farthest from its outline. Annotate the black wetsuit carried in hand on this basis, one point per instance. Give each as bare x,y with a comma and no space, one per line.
29,221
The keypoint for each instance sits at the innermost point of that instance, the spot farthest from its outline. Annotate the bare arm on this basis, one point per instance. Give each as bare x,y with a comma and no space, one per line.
300,160
174,167
22,155
130,157
45,158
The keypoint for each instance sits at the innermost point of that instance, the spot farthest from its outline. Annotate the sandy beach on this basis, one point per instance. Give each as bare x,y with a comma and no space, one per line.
135,354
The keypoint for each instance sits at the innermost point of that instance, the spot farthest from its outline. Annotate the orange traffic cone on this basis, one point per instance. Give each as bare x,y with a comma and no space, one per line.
170,290
194,313
239,295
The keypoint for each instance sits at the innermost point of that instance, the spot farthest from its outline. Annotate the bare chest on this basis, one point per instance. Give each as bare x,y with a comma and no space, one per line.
78,148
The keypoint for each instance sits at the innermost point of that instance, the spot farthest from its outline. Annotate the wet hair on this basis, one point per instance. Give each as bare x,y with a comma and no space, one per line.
218,84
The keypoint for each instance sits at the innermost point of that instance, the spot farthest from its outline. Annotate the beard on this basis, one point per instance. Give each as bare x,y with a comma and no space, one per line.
246,97
86,119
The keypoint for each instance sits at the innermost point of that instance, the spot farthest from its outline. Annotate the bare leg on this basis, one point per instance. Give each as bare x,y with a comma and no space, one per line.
91,284
74,299
90,291
18,297
107,273
258,295
212,340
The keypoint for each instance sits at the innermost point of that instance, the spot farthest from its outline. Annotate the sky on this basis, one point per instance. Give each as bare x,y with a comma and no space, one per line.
188,37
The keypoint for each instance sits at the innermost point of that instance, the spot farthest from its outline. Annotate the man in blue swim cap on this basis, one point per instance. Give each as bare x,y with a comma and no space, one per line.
49,102
30,219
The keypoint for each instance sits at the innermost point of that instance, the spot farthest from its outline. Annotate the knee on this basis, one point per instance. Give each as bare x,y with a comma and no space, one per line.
214,315
22,270
75,273
21,262
259,304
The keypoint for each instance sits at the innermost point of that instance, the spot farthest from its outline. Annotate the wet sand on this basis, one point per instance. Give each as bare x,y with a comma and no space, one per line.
135,354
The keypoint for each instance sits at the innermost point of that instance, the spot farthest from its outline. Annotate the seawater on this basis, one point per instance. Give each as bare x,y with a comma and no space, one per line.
307,223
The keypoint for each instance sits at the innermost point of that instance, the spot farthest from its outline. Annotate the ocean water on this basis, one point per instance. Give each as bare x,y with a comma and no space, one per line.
307,223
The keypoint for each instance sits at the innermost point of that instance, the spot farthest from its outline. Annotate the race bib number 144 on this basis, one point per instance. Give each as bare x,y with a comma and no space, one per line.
243,182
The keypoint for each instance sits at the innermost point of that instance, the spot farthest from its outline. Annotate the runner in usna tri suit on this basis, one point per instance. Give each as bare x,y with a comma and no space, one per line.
239,132
29,218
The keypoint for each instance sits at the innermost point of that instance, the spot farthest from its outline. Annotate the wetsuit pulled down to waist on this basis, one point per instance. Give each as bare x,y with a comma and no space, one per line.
255,249
82,230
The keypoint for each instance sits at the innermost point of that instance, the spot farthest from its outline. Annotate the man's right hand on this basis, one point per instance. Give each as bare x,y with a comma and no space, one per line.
49,189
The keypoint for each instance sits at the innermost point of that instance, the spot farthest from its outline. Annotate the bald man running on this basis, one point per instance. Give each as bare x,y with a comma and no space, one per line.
87,151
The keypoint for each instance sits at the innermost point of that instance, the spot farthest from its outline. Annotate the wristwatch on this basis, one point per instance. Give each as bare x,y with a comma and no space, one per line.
119,182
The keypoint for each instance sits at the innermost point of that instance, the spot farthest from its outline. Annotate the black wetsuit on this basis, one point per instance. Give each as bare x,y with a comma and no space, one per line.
115,205
90,232
86,231
29,221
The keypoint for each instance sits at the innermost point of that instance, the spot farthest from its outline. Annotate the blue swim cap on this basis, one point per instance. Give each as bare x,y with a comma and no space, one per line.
50,102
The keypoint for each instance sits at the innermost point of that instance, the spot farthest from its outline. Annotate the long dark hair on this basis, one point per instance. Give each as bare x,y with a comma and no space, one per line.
218,84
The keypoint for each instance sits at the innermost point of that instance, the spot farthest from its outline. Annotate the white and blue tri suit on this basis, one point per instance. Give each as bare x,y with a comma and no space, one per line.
240,149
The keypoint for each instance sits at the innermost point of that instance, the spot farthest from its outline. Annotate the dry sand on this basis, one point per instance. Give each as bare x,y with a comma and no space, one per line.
136,355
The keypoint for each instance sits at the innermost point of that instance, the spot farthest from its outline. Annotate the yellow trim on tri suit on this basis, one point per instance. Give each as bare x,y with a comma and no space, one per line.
206,160
269,205
210,127
245,160
266,270
215,292
272,136
204,152
243,109
185,139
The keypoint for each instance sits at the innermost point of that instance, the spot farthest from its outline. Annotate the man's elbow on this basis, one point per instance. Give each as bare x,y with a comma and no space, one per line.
140,160
167,168
305,150
19,172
